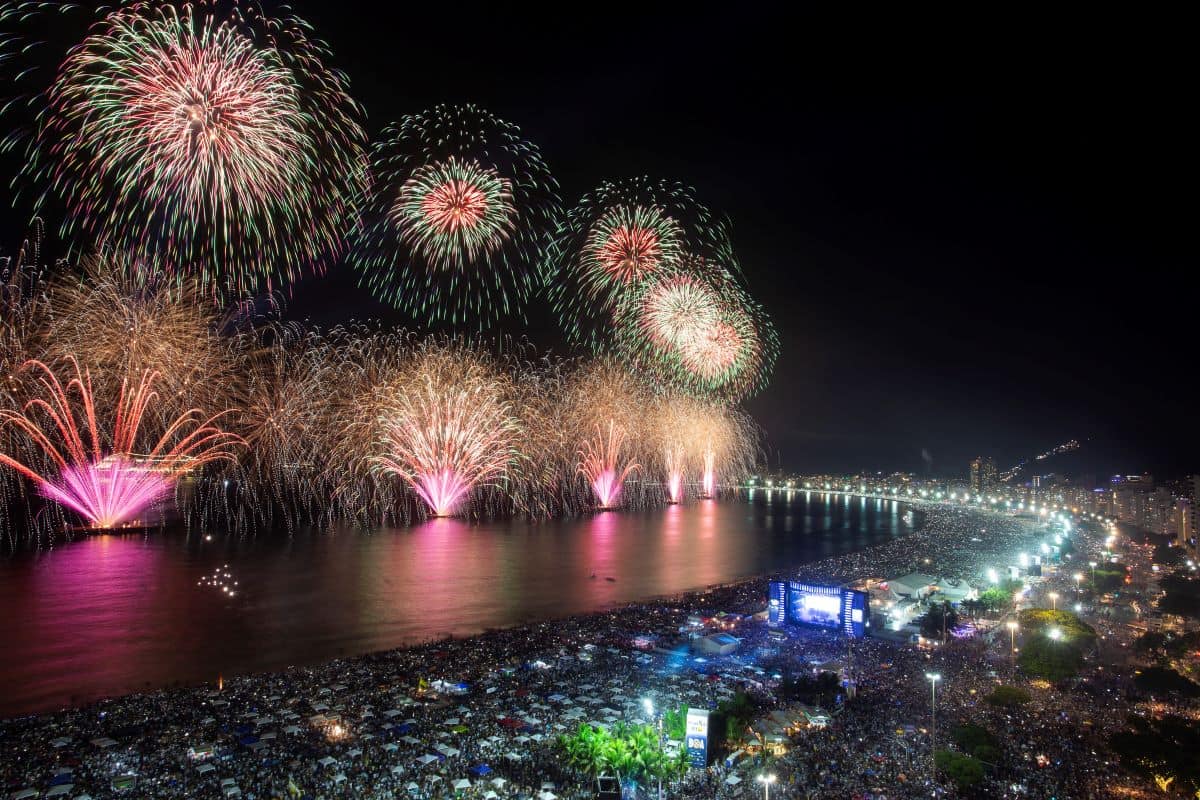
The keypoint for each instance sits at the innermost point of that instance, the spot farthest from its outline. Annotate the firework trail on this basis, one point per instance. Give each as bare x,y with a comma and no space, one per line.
202,141
458,206
451,430
108,483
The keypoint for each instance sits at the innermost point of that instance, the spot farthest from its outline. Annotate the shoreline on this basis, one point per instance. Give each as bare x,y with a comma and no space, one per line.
733,596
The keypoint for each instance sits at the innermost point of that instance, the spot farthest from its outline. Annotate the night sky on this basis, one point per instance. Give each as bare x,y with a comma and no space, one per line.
969,232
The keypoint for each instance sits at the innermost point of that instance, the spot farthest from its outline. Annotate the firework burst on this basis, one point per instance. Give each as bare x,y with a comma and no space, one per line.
615,238
458,206
203,142
451,430
108,481
606,409
603,461
698,331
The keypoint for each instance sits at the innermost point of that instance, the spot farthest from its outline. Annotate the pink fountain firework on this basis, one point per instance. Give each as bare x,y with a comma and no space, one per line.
709,477
451,431
108,486
602,464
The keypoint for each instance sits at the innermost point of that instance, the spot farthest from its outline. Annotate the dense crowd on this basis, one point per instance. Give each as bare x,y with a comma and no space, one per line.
478,717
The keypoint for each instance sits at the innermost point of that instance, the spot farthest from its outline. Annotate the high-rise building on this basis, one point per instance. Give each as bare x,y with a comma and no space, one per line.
1184,526
983,474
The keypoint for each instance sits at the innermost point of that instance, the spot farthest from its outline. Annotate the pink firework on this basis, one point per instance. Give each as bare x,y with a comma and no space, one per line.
709,478
109,493
602,465
448,434
109,486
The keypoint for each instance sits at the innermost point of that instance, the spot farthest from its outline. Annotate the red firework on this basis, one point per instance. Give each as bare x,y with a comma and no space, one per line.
629,252
454,206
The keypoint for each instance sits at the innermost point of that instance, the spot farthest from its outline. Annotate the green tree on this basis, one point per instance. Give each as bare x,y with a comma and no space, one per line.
1040,620
1054,660
996,599
1185,643
675,723
977,741
1169,556
940,617
1182,596
1161,749
1108,578
1008,696
1162,680
1150,642
964,771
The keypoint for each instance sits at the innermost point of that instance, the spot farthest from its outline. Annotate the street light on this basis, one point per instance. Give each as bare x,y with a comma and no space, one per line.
1078,580
1055,634
933,678
1053,601
1012,632
766,781
648,704
1093,566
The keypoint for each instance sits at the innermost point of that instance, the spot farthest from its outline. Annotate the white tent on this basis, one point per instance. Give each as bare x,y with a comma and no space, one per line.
397,769
499,782
60,790
204,769
339,778
434,778
490,795
732,778
427,759
327,761
462,783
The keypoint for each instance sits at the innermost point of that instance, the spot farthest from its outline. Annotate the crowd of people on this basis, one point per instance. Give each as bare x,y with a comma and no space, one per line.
479,717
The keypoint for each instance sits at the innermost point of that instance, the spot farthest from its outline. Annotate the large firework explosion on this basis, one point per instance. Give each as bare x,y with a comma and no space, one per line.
458,206
697,441
698,330
104,469
451,430
617,236
202,141
107,314
607,415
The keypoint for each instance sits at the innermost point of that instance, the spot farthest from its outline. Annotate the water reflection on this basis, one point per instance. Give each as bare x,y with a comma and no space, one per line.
110,614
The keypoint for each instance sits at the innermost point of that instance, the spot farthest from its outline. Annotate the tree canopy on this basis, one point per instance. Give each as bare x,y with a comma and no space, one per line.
1008,696
964,771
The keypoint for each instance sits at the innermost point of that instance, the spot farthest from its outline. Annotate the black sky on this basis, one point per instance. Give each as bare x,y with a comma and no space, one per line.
974,234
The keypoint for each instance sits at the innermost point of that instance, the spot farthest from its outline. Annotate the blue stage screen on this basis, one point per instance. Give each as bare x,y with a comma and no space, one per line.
830,607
